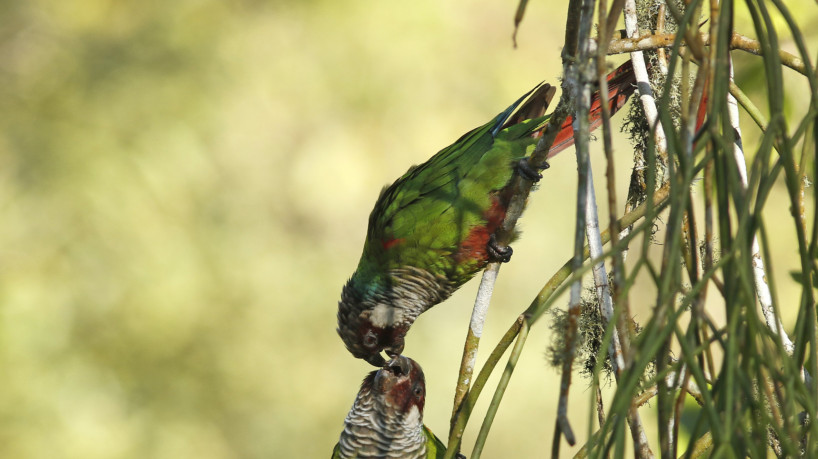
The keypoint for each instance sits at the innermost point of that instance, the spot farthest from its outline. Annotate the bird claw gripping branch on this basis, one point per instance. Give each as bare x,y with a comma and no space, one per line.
529,172
498,252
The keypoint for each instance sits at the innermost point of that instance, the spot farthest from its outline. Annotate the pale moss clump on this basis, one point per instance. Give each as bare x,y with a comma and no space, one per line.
589,341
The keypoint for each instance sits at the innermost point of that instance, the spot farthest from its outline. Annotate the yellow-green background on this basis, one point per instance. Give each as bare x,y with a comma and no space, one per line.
184,188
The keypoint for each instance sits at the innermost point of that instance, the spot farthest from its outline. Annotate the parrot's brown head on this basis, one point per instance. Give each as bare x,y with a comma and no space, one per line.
398,386
366,338
370,327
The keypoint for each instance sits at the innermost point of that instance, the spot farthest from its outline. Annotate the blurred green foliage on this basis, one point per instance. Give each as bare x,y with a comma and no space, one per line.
184,188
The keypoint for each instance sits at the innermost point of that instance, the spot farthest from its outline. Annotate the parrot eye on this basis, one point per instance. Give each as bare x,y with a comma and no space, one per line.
418,392
370,340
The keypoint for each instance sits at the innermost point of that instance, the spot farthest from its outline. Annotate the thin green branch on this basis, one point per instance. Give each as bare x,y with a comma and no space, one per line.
500,391
474,392
702,448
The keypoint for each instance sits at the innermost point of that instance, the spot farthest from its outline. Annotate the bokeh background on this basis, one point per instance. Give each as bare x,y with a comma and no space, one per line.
184,189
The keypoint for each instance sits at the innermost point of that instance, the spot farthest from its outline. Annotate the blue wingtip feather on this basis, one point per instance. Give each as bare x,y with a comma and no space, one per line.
501,119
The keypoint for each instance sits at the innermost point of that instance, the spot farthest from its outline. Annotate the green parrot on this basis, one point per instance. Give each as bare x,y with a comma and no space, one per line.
433,229
386,419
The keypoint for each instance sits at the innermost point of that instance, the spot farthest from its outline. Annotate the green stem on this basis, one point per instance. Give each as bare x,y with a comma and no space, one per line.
702,446
470,400
500,391
748,106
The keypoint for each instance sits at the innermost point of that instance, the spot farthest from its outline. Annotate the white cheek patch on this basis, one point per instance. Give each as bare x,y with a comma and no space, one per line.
413,416
383,316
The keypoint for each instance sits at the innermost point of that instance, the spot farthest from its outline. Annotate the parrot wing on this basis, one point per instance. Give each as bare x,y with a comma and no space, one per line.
428,211
435,449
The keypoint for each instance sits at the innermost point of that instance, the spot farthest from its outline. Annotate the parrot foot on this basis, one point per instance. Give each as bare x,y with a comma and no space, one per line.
528,172
496,252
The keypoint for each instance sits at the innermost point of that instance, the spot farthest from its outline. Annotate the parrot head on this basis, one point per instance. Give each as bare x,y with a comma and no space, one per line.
372,336
371,326
399,385
386,419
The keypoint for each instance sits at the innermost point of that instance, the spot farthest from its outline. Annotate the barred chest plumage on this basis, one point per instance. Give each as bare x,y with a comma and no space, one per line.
370,431
375,316
386,419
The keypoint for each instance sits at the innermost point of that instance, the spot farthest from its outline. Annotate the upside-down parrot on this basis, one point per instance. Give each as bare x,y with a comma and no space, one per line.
386,419
433,229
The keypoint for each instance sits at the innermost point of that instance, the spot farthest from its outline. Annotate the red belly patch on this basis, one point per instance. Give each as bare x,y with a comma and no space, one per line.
474,246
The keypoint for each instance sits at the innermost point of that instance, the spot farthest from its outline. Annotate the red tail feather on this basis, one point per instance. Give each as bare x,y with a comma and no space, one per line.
621,84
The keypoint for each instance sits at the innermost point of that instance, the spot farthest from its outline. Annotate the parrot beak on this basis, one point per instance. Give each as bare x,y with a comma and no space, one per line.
376,360
397,348
400,365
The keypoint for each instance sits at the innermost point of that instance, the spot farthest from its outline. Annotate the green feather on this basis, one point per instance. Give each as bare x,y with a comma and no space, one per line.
435,449
431,209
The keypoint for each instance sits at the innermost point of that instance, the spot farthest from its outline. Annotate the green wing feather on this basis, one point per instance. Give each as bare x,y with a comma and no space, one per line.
421,219
435,449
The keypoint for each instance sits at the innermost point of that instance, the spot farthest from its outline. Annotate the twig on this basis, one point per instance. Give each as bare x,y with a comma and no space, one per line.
500,391
749,107
600,407
660,27
606,303
641,447
643,81
478,318
594,237
603,289
665,40
578,82
518,18
702,446
759,273
474,392
689,386
617,261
